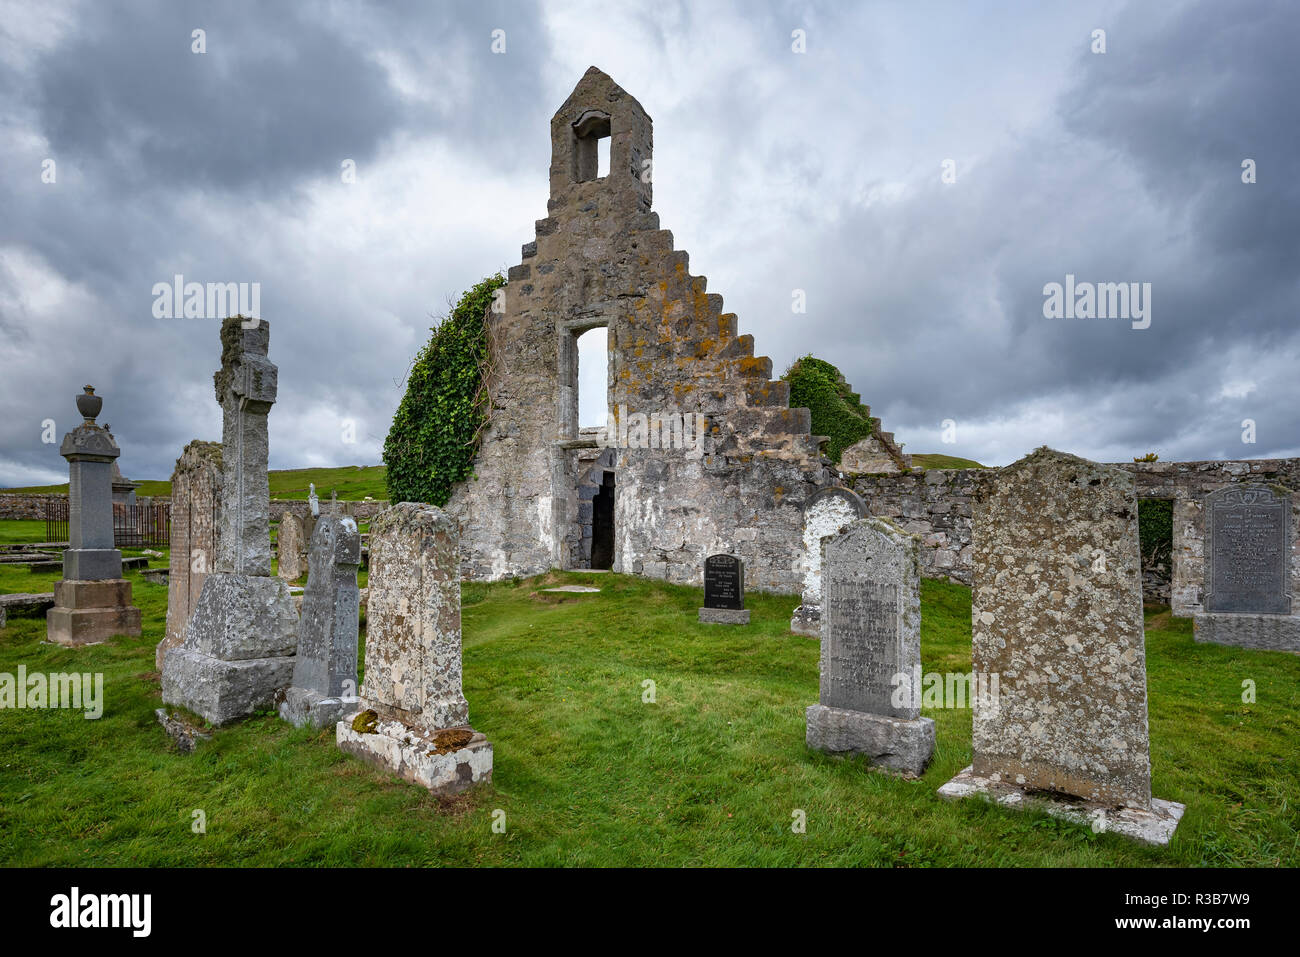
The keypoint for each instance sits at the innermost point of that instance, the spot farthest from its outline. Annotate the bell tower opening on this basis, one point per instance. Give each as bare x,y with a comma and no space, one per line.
591,146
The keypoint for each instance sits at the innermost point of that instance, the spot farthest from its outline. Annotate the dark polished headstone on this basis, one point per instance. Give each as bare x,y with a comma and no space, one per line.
1247,550
724,582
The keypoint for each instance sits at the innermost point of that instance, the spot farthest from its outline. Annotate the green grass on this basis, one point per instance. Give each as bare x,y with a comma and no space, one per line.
934,460
352,482
588,774
14,531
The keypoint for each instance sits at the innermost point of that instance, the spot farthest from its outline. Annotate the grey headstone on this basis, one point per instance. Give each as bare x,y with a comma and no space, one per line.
827,513
325,672
871,649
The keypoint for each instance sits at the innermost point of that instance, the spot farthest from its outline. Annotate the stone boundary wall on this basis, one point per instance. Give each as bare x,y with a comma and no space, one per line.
25,507
31,506
936,505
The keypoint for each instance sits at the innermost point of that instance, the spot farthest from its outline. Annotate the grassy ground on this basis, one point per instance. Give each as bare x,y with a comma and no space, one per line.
934,460
589,774
352,482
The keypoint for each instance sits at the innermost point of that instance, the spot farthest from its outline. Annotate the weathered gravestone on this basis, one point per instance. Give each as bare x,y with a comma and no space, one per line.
1249,534
196,497
826,513
871,649
289,548
724,591
1056,615
325,670
93,601
239,645
412,718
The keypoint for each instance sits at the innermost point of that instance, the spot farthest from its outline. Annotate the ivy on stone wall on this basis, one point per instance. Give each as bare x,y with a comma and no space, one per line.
435,432
1156,530
837,411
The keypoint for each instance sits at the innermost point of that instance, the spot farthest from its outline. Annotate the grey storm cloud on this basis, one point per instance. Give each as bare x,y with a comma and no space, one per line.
777,171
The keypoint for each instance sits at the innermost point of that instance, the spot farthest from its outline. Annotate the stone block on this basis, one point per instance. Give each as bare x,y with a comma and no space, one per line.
895,743
724,616
1261,632
222,691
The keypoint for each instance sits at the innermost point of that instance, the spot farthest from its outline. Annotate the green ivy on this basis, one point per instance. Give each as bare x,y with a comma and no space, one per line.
1156,529
837,411
435,432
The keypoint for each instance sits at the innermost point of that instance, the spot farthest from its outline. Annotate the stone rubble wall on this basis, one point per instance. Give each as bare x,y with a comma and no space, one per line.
936,505
31,507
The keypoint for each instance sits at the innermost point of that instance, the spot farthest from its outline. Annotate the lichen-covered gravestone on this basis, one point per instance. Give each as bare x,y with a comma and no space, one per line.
871,649
239,645
826,513
412,717
289,548
1249,535
93,601
724,591
196,495
325,671
1056,615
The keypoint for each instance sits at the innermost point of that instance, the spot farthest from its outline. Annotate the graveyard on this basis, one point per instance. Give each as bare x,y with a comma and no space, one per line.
578,576
590,775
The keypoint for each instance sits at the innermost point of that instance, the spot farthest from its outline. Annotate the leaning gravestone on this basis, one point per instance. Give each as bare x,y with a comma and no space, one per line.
724,591
325,670
1248,569
289,548
826,513
196,497
871,649
93,600
238,648
1056,615
412,718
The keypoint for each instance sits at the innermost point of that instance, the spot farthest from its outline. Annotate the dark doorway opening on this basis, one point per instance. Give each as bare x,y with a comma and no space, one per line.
602,524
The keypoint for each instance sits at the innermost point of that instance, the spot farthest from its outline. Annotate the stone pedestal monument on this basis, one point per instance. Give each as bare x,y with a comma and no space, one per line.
870,701
325,669
412,718
240,640
93,601
1056,614
1249,582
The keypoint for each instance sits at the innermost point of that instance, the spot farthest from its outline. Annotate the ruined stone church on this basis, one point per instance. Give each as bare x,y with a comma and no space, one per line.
648,495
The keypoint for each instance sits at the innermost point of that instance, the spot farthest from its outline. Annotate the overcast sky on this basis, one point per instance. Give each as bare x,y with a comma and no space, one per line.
820,171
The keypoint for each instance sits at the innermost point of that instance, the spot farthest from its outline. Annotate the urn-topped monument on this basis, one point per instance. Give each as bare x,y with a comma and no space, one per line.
93,601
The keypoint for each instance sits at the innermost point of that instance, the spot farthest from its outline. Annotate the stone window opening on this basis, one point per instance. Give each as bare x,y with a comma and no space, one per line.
591,146
593,378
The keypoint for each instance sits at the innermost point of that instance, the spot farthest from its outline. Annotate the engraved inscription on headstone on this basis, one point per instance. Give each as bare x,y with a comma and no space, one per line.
724,582
863,651
1247,549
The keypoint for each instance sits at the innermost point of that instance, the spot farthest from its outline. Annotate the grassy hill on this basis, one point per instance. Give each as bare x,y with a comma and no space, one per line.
934,460
352,482
588,773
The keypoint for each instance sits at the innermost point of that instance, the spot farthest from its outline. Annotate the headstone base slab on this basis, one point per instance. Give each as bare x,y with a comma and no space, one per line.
724,616
1261,632
1154,826
243,617
407,752
302,707
87,612
223,691
807,621
894,743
